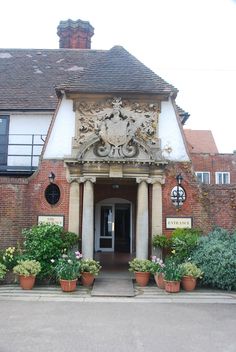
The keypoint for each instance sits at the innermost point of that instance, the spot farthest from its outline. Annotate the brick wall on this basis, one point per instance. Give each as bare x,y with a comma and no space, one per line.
22,200
215,162
208,205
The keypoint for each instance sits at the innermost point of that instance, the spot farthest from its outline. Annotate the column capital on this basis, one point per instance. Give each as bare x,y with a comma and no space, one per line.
143,179
82,179
158,179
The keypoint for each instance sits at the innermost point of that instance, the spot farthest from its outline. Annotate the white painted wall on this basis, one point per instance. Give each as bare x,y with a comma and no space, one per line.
170,134
59,143
21,128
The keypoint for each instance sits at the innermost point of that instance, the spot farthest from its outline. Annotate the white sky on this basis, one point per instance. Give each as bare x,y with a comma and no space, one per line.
189,43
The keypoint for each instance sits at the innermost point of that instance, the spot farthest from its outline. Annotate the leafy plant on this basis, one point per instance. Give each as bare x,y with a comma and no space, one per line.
215,255
27,268
161,241
191,269
3,271
90,266
140,265
9,257
172,270
68,266
157,265
46,241
183,242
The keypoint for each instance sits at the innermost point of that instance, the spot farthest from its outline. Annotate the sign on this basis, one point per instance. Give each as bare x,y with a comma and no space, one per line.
51,219
180,222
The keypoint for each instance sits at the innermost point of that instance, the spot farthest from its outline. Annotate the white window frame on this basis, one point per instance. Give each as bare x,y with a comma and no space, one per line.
202,173
222,173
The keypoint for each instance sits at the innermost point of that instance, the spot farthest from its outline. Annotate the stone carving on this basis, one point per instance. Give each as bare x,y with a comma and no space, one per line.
116,129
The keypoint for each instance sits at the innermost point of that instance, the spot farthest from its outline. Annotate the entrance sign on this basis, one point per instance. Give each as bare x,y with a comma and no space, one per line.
51,219
179,222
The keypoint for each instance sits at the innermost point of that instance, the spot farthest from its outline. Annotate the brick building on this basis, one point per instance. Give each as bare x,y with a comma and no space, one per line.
93,140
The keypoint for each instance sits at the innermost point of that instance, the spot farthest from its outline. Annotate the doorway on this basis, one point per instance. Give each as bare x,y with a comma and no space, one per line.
113,226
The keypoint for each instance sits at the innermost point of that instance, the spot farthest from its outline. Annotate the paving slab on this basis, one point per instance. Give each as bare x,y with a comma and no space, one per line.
110,287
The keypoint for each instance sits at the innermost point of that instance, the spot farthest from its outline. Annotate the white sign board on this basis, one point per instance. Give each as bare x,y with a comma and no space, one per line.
51,219
180,222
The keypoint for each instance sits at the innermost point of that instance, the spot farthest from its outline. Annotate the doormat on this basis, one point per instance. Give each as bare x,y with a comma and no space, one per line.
106,287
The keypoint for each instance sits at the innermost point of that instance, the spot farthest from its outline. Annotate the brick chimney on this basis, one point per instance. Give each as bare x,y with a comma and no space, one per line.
75,34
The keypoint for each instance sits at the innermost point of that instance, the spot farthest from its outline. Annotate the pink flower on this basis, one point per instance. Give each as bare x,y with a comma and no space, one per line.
78,255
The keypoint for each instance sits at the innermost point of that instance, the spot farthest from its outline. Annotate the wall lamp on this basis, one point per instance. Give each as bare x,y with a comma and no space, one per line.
178,194
51,177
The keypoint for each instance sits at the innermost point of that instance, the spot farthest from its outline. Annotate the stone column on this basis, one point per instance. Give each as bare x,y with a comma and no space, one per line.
74,205
157,208
88,218
142,220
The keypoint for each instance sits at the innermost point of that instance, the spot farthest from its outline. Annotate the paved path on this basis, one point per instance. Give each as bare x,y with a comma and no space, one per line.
150,293
41,326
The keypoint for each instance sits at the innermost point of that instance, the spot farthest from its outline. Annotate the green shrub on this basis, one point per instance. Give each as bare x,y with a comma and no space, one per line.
3,271
44,242
216,257
183,242
161,241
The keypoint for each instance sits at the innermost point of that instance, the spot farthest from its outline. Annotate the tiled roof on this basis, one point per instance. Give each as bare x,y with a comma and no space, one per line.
119,72
200,141
28,77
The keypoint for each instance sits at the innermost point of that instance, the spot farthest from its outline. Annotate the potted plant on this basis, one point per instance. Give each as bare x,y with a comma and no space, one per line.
141,269
172,275
27,269
162,243
190,273
3,271
89,269
68,270
9,259
157,268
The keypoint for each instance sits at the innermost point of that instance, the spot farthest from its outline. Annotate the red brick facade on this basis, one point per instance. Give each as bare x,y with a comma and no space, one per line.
215,163
22,200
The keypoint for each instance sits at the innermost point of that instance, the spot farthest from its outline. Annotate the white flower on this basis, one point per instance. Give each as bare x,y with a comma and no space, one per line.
52,260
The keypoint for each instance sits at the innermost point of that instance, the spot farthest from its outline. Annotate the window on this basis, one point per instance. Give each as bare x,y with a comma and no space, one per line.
52,194
4,130
222,178
203,177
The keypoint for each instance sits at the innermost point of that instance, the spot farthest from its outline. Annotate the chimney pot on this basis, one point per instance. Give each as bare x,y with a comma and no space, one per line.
75,34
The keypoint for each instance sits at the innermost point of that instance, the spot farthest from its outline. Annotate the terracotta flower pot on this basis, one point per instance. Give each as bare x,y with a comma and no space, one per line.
142,278
159,280
172,286
87,279
26,282
68,285
188,283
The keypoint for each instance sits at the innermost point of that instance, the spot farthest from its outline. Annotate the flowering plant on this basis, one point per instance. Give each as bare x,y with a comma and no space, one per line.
140,265
172,270
90,266
157,265
9,257
68,266
191,269
27,267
